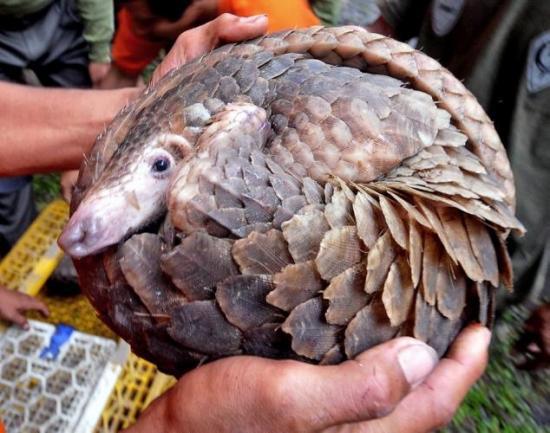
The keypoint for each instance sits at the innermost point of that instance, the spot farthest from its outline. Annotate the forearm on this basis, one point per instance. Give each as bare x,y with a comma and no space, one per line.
51,129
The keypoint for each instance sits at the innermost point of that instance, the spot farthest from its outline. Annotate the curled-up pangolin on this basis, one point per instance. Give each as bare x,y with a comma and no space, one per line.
305,195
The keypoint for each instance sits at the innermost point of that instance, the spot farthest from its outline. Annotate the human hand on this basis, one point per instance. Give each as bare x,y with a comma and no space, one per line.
382,27
68,181
398,386
534,342
200,40
14,304
98,71
116,79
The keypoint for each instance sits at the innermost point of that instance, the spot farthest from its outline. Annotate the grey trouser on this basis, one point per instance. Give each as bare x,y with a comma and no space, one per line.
17,211
50,44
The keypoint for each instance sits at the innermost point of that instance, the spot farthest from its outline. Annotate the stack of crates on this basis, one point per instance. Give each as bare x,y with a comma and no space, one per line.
48,396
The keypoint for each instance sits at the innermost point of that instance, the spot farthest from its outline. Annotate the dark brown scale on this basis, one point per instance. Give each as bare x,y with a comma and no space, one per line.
201,326
242,299
422,323
346,295
312,337
268,340
198,264
398,291
339,250
369,327
335,355
262,253
319,209
295,284
140,263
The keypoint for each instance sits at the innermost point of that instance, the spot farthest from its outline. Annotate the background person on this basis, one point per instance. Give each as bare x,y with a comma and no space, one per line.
501,49
146,26
64,44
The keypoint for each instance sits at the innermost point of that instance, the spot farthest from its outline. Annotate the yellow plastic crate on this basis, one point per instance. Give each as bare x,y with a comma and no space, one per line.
27,267
161,383
75,311
129,397
35,256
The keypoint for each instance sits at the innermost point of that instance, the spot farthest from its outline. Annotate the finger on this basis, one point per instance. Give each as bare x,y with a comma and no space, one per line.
18,318
225,28
200,40
368,387
433,404
31,303
231,28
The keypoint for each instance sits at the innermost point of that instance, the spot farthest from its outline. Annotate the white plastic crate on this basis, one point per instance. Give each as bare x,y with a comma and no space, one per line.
66,394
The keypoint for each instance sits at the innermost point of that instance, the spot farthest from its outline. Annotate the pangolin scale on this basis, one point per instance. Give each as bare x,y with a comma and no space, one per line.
327,189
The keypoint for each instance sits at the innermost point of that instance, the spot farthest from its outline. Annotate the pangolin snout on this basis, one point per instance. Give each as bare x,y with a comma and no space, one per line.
82,236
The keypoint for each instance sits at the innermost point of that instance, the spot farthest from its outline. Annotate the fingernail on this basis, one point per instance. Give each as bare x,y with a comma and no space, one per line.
254,18
486,334
417,362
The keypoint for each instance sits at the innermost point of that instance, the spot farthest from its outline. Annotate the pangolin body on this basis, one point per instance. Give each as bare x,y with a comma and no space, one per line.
305,195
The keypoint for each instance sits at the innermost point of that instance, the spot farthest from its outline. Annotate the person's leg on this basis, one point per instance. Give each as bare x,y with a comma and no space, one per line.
65,62
17,212
17,209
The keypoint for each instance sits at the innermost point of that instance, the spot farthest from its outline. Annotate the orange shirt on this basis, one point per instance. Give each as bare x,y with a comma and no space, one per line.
282,14
132,53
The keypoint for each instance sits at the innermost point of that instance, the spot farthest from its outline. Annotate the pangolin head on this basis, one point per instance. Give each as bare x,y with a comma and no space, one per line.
129,194
132,190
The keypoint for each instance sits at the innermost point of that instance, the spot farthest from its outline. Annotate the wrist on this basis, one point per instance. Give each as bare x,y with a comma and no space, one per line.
100,53
105,106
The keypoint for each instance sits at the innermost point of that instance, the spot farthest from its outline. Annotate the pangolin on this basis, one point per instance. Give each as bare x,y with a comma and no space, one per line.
304,195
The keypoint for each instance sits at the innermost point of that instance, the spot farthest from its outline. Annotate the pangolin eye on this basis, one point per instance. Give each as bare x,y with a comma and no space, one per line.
160,164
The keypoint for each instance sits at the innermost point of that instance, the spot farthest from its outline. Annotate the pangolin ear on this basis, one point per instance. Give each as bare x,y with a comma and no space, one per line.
236,122
176,144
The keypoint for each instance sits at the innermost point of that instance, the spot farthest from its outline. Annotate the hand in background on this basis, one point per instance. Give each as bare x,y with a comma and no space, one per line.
68,181
98,71
200,40
14,304
398,386
534,342
381,27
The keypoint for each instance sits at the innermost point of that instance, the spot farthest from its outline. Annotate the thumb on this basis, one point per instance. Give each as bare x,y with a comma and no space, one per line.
367,387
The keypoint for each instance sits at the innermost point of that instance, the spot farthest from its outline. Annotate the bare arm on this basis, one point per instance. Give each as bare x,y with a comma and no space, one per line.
51,129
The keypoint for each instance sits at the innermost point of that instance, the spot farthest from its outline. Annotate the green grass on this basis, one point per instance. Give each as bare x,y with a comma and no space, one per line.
506,400
46,188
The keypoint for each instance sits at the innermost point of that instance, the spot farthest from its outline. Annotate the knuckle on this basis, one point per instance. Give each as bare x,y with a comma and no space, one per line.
225,18
379,394
280,398
443,411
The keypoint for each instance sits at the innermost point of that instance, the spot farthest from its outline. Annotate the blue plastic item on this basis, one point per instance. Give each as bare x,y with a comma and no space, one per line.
61,335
